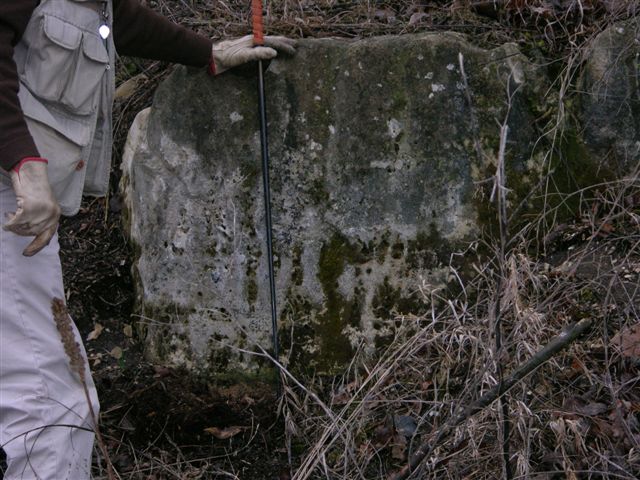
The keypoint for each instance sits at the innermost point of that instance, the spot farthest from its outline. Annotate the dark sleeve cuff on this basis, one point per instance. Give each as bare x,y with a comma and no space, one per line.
16,150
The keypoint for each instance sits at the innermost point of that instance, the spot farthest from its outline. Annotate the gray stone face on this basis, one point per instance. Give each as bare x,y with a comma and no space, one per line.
375,180
611,99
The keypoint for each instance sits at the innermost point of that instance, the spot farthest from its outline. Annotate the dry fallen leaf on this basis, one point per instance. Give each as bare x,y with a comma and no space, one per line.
382,435
95,359
224,433
128,88
628,341
128,330
344,394
417,18
95,333
385,14
574,405
606,229
116,353
399,447
592,409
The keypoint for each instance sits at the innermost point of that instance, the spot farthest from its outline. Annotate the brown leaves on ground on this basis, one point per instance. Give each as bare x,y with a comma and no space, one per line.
587,420
224,433
95,333
627,341
385,436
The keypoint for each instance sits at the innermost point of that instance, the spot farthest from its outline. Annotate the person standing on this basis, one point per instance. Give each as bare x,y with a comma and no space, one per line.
57,81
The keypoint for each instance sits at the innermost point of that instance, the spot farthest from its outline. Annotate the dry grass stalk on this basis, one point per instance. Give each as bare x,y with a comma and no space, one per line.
77,364
71,347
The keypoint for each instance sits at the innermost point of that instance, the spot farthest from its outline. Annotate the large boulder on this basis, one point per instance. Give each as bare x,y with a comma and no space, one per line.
379,151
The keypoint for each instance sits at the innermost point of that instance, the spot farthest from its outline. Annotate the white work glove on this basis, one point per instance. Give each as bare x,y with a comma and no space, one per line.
38,211
231,53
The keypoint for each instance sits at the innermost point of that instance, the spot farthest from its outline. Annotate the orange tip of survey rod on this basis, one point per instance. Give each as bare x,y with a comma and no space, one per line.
256,20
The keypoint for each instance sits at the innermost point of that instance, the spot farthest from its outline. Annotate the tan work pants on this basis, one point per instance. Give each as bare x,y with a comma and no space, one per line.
45,425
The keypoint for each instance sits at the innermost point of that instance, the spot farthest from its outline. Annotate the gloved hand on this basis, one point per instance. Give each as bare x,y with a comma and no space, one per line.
38,211
231,53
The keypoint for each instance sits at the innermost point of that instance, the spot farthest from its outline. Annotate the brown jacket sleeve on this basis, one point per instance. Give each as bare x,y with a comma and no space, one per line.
141,32
15,140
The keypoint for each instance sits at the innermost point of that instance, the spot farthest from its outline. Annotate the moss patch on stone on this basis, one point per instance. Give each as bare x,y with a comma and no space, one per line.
428,250
339,312
390,301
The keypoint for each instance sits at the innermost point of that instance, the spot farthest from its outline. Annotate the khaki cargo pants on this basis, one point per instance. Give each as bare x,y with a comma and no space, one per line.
45,425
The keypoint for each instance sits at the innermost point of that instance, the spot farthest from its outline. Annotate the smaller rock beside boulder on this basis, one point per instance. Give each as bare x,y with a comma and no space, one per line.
610,99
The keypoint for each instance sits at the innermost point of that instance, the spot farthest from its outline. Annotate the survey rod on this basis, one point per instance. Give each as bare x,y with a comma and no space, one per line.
258,40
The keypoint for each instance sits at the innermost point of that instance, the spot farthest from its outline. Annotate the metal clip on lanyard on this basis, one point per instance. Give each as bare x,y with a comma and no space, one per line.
104,29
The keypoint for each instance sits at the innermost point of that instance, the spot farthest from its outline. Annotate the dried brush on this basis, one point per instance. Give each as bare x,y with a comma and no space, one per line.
77,364
71,347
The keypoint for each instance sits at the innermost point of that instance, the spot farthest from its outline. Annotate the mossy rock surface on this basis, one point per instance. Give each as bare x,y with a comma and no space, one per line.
380,154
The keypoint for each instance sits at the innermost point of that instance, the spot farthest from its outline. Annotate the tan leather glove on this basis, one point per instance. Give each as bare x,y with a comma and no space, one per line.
231,53
38,211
